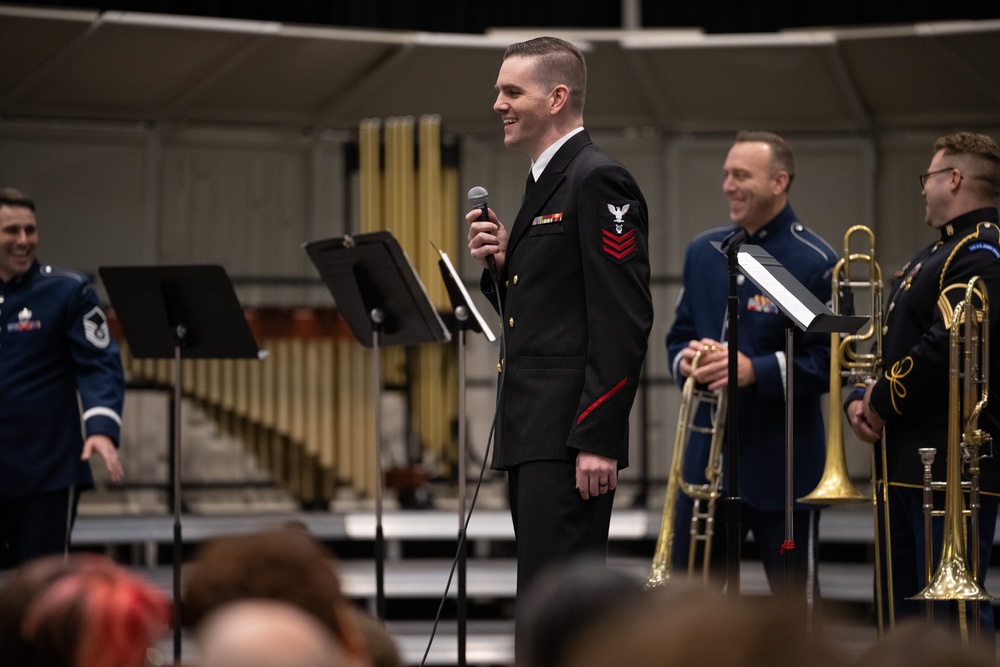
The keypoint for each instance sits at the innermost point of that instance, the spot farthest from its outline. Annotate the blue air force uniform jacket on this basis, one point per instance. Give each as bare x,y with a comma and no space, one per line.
54,345
701,313
576,309
912,395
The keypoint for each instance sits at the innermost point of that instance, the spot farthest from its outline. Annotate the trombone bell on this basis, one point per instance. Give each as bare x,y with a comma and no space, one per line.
835,486
955,579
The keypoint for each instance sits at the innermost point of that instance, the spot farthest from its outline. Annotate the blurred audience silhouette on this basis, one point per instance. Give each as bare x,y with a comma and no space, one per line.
266,633
286,565
685,624
80,611
569,601
916,643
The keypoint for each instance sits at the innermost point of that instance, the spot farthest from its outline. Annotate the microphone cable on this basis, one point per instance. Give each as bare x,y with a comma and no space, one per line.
482,472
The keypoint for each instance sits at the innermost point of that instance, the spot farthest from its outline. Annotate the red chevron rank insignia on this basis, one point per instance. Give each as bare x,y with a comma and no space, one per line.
617,243
618,247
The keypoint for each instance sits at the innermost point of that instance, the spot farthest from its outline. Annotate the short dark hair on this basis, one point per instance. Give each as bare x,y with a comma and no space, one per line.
982,153
782,158
286,564
561,63
12,197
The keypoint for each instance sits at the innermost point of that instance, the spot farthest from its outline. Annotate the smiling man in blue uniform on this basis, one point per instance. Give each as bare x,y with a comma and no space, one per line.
758,172
572,286
56,356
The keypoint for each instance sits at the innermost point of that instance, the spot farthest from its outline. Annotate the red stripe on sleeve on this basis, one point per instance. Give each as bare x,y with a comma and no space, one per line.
614,390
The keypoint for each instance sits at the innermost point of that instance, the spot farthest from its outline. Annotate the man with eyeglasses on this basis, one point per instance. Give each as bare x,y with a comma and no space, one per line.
909,405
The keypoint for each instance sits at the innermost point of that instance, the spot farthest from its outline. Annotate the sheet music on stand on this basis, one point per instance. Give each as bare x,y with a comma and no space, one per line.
790,295
460,296
368,271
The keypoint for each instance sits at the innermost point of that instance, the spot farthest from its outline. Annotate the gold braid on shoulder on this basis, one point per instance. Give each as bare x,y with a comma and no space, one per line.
985,231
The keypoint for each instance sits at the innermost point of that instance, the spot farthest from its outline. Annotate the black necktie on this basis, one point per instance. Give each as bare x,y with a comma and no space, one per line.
528,182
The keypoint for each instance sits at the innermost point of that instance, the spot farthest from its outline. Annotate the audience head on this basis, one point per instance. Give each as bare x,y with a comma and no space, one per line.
287,565
80,611
565,603
686,624
382,649
266,633
916,643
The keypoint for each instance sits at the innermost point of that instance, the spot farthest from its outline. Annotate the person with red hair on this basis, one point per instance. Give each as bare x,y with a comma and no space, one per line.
81,611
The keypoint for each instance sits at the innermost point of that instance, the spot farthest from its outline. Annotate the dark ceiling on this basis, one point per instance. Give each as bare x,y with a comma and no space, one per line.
143,67
477,16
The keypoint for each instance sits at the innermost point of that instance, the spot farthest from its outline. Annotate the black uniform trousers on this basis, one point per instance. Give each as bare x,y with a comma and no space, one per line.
36,525
552,523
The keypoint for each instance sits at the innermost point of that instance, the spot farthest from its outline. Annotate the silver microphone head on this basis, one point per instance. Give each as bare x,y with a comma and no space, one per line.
478,196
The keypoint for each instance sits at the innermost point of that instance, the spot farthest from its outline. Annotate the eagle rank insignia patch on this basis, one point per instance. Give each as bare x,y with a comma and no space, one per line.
95,328
618,237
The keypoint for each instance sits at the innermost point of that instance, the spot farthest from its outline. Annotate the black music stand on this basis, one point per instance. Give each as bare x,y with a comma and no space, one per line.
468,318
801,309
730,247
188,312
379,293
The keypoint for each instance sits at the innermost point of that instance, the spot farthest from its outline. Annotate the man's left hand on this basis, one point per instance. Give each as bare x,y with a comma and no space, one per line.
865,422
102,445
595,474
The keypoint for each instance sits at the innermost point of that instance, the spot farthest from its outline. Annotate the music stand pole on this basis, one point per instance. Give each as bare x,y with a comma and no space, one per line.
731,246
788,546
462,315
468,318
179,332
378,317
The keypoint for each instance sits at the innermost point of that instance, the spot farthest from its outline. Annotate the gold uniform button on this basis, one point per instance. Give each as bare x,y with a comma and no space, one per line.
511,322
515,280
500,366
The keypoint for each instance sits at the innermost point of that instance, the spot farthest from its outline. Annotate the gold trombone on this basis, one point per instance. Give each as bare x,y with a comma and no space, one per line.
846,362
957,577
704,495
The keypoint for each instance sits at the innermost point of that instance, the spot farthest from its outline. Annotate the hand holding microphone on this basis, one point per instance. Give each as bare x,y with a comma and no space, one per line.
478,198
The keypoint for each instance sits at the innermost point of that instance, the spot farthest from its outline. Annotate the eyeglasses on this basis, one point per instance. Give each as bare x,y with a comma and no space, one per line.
923,177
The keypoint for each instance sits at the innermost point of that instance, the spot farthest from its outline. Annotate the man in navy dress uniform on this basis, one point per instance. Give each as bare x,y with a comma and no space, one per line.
758,172
572,288
57,357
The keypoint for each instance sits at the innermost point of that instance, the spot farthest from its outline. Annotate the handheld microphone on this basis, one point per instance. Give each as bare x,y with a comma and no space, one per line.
478,197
